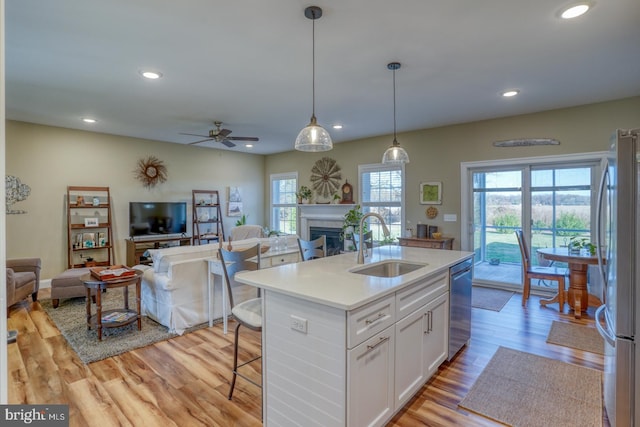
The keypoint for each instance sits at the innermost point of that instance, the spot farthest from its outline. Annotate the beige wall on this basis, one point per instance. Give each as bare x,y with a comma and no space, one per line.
436,154
48,159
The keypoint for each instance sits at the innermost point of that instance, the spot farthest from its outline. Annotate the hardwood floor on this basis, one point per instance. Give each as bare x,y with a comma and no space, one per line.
184,381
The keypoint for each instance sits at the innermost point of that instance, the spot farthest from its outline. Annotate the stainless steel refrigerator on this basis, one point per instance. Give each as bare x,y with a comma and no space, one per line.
618,319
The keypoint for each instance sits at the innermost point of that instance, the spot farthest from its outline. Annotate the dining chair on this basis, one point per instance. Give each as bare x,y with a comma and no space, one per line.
247,313
544,273
367,237
312,249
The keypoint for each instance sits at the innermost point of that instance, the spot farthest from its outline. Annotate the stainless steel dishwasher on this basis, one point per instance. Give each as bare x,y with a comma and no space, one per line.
460,276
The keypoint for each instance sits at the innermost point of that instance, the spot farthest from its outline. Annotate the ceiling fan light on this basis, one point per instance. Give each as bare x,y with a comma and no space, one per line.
395,155
313,138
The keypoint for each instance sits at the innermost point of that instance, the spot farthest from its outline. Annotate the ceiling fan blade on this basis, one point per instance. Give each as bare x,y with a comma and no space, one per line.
194,134
202,140
224,132
243,138
228,143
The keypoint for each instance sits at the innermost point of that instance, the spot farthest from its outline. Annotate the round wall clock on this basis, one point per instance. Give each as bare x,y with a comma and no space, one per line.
325,177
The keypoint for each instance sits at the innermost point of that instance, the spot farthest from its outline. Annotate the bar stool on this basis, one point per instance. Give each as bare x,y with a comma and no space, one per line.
246,313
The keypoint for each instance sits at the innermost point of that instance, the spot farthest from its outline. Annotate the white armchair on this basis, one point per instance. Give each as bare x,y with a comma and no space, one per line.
175,290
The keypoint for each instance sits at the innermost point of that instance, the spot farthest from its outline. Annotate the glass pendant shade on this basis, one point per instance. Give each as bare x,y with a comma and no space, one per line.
313,138
395,155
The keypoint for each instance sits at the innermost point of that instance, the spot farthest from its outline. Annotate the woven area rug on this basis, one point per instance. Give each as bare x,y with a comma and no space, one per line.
70,318
489,299
576,336
525,390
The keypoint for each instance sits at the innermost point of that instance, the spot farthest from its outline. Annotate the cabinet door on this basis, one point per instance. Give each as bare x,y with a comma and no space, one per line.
436,336
410,372
370,380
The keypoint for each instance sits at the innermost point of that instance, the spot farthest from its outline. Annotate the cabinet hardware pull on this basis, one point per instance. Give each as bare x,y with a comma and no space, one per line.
430,320
428,314
369,321
382,339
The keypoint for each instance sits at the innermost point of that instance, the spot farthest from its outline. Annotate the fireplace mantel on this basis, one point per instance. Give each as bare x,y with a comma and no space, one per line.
321,215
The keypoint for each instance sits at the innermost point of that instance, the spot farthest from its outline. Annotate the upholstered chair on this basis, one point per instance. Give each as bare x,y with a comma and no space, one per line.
23,279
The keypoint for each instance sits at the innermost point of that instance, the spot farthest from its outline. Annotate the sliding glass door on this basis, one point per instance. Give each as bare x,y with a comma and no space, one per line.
551,203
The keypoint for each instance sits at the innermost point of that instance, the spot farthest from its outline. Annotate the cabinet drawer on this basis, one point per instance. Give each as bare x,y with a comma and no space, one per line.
415,296
283,259
367,321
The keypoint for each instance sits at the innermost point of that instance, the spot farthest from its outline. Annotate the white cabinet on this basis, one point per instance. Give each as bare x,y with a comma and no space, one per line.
370,385
421,346
436,337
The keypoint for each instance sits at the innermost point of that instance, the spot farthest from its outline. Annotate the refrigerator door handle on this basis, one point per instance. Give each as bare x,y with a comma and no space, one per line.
600,206
603,330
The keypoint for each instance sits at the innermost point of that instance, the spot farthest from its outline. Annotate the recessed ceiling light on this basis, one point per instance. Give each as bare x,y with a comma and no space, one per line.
89,120
510,93
248,145
337,126
575,10
151,75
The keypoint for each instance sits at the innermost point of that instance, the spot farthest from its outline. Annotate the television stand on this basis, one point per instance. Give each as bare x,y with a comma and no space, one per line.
137,248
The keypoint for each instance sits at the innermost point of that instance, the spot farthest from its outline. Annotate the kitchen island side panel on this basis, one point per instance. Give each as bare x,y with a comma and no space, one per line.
305,371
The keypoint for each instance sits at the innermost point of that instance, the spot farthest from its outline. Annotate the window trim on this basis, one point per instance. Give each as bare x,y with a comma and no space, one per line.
277,177
378,167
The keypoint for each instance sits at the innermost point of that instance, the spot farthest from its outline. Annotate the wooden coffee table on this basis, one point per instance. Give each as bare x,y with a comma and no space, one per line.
90,282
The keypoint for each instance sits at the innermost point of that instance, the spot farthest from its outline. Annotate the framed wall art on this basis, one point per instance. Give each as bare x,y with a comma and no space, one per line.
431,193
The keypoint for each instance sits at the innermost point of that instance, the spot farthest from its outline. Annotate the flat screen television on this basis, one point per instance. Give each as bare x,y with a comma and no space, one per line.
157,218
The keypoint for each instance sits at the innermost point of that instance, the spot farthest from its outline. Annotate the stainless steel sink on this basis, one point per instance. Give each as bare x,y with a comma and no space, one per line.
391,268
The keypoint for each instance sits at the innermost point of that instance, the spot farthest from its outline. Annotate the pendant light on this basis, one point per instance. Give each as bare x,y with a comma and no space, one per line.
394,154
313,137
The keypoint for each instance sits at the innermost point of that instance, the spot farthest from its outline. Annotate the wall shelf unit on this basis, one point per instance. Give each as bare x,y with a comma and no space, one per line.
89,227
207,217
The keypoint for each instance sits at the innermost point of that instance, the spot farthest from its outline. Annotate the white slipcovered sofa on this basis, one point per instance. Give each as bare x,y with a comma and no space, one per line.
175,287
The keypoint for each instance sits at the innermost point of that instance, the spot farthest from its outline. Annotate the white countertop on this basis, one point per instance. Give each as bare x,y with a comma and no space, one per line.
329,280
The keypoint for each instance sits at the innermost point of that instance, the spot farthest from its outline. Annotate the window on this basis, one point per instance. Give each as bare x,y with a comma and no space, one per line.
550,199
284,210
382,192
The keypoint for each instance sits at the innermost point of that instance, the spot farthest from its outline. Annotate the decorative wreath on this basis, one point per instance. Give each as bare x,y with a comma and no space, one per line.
151,171
325,177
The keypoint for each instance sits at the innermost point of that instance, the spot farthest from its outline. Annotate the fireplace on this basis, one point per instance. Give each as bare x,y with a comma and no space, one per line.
334,244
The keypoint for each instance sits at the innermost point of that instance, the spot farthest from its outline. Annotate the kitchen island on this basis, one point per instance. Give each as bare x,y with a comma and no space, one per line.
341,348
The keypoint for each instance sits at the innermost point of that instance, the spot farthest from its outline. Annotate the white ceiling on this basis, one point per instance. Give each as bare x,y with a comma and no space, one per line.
248,63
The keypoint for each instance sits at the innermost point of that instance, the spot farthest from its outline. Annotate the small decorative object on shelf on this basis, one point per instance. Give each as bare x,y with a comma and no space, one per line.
347,193
80,200
304,194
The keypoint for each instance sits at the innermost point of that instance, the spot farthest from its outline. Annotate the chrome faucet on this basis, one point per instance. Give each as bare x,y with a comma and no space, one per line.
361,243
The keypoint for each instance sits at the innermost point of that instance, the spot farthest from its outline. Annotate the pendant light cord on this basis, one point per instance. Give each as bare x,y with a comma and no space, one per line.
394,107
313,65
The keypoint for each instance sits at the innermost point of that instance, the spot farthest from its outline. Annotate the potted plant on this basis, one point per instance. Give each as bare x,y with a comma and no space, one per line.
304,194
576,244
351,225
336,199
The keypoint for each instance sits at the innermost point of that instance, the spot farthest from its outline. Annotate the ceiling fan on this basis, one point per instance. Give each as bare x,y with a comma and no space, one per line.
221,135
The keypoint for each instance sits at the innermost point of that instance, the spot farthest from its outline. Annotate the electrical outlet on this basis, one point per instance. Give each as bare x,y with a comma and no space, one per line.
298,324
450,217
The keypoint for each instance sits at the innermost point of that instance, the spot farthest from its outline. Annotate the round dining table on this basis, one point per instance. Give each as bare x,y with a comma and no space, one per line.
577,296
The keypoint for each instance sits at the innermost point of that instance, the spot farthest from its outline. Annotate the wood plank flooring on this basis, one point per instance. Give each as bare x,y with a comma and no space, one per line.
184,381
